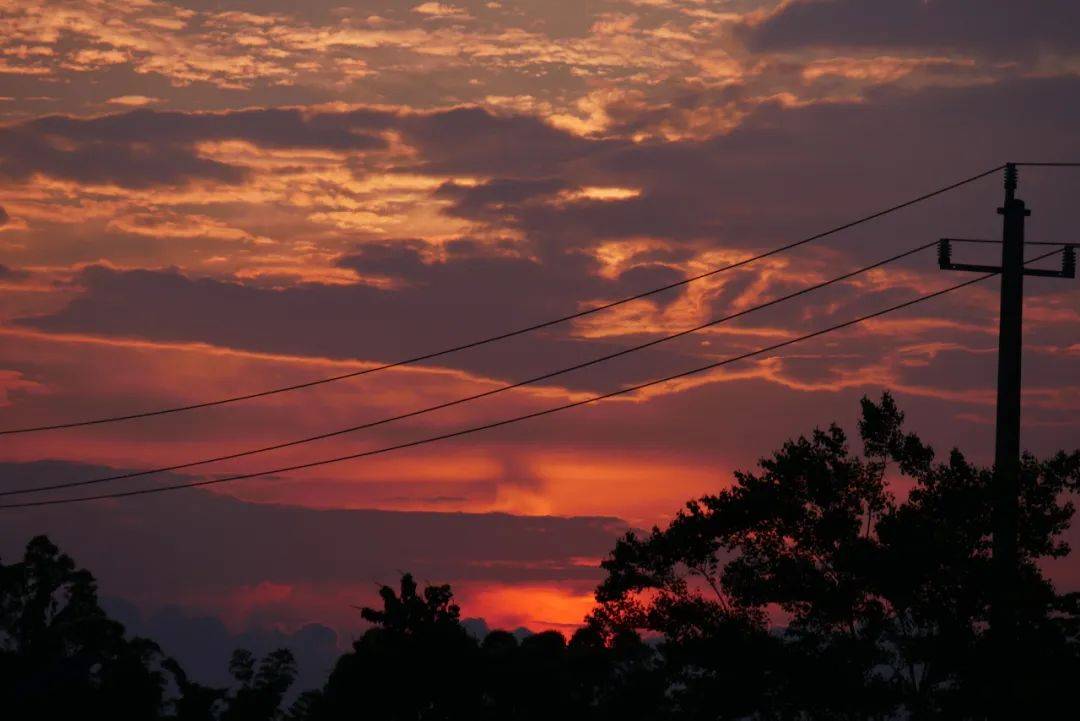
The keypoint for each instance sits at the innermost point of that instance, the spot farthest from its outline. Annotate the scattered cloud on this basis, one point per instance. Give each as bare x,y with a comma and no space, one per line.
440,10
133,101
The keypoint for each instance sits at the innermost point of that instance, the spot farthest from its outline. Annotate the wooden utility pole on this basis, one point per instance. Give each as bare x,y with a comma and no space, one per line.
1005,489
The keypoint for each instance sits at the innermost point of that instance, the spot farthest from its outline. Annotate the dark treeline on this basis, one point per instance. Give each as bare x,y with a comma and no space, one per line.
809,589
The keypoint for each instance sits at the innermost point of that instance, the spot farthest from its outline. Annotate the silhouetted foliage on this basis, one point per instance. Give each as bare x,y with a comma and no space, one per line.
262,688
418,662
60,655
195,702
823,585
415,663
884,601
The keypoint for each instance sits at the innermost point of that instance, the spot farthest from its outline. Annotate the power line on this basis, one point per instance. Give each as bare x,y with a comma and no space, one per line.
477,396
516,419
512,333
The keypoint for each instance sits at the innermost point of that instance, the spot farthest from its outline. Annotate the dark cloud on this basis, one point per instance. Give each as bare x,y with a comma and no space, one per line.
489,199
145,148
999,28
193,540
437,305
474,140
779,157
269,127
24,152
8,273
786,172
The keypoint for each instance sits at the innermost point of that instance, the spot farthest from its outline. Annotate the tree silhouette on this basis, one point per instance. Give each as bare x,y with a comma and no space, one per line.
60,655
884,601
419,663
195,702
416,662
262,688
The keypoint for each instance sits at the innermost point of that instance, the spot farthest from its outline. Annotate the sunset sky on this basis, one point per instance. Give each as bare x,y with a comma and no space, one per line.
203,199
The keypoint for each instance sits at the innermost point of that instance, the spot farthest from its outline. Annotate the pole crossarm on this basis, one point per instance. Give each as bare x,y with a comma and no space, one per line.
998,242
945,262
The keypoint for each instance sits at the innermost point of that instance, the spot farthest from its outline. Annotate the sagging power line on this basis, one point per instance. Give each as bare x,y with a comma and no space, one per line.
509,334
477,396
516,419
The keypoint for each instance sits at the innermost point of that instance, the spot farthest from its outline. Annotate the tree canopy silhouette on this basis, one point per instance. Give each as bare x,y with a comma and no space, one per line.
418,663
62,657
883,596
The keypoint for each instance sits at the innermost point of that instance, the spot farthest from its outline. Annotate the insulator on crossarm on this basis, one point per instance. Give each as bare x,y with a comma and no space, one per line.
944,253
1010,179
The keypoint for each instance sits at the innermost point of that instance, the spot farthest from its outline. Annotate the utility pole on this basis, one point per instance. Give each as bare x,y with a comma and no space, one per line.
1005,488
